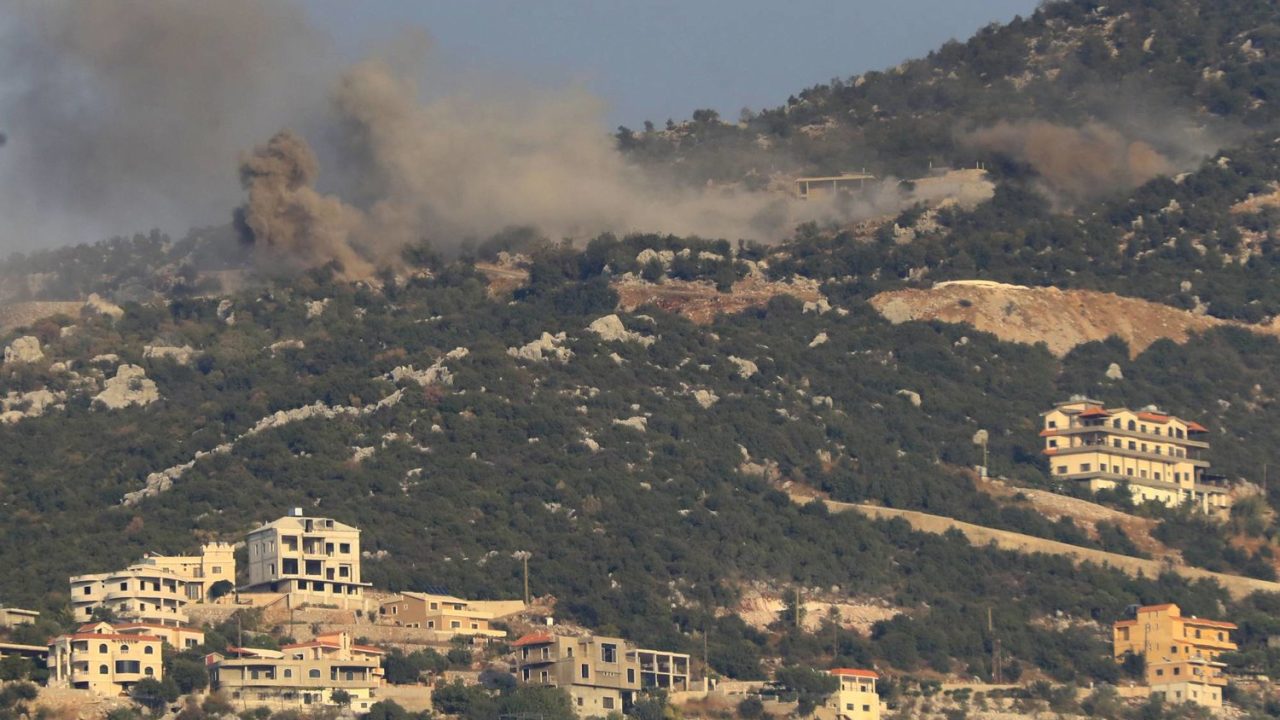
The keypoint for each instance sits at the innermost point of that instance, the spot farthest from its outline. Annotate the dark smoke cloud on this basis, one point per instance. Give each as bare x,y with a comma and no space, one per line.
129,114
1084,163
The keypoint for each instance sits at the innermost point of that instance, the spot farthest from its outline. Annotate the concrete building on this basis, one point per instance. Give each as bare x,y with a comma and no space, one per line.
1159,456
11,618
1180,653
445,613
156,589
856,698
829,185
315,561
299,676
100,659
178,637
601,674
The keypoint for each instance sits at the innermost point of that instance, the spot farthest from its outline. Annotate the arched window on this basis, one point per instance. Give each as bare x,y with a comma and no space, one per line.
124,649
102,670
102,648
313,673
1133,425
150,671
148,650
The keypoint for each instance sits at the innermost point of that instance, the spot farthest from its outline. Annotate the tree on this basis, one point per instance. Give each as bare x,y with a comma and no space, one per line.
340,697
154,694
188,674
751,708
810,686
220,588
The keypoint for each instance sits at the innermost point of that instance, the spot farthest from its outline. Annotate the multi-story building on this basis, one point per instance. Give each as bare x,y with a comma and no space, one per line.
13,617
178,637
601,674
444,613
99,658
156,589
1180,653
1159,456
315,561
306,674
855,699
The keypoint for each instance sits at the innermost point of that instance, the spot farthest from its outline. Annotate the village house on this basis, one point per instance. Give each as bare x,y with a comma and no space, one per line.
855,699
299,676
11,618
447,614
1160,457
312,560
176,636
1180,653
99,658
602,675
156,589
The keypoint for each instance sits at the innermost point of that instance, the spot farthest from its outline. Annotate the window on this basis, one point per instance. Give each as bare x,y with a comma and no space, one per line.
150,671
124,585
217,569
344,548
1053,443
1177,671
455,624
1144,447
1133,445
1053,424
606,703
1159,672
526,674
1133,425
1197,632
288,673
313,673
1062,469
866,708
1085,467
102,670
1173,649
579,702
586,671
148,650
609,652
86,590
102,648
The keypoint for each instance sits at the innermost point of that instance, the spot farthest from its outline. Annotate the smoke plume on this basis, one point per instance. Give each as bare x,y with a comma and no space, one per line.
1078,164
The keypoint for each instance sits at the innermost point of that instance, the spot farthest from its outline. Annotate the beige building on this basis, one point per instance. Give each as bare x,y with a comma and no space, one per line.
602,674
99,658
1160,457
829,185
13,617
315,561
1181,654
856,698
298,676
178,637
445,613
156,589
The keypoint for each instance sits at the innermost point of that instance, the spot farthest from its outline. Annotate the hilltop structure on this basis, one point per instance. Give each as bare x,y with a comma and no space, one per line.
301,675
1160,457
826,186
856,699
1180,654
156,589
602,675
313,560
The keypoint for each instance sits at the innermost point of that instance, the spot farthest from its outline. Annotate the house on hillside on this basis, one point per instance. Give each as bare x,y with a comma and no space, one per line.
312,560
855,699
11,618
157,588
305,675
445,613
98,657
1159,456
826,186
1180,654
602,675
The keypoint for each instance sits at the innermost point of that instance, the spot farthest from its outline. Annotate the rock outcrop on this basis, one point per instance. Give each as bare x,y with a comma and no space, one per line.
25,349
544,348
611,329
181,355
437,374
129,387
95,304
744,368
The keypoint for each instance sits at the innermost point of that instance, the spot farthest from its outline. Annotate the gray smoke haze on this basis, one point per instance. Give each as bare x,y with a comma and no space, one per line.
122,115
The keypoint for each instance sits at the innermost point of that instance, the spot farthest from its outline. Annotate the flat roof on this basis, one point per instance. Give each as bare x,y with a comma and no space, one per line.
831,178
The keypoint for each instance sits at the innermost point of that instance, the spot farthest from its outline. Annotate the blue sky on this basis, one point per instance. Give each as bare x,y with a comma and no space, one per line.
664,58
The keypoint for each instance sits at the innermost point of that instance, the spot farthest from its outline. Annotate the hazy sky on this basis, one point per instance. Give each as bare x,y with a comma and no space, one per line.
655,59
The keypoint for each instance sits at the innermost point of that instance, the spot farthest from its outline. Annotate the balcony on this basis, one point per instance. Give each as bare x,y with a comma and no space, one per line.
1121,432
1125,452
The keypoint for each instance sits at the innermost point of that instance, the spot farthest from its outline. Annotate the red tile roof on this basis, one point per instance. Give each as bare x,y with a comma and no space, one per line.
855,672
1153,417
535,639
1196,427
1095,412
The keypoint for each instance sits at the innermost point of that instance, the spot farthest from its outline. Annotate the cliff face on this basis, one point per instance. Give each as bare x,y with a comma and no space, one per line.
1062,319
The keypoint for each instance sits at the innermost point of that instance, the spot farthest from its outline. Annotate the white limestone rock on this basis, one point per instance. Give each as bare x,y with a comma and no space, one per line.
181,355
611,329
1114,372
95,304
912,396
315,308
819,339
25,349
705,398
744,368
226,313
129,387
545,348
636,422
437,374
277,347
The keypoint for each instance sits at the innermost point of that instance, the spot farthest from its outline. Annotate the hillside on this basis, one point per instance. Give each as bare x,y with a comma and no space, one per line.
638,411
1060,319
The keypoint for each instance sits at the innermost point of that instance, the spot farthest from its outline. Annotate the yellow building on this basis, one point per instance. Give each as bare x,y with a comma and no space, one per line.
315,561
178,637
298,676
99,658
156,589
1159,456
827,186
1180,653
445,613
856,699
601,674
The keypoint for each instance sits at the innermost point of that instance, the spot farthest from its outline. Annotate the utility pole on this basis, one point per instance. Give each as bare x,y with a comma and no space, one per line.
523,556
797,606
